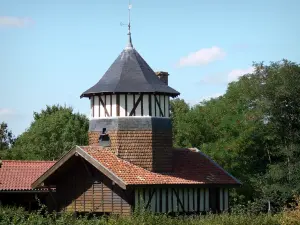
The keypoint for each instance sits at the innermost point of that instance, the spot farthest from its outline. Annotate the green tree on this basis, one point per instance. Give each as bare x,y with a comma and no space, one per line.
253,130
6,139
53,132
179,109
281,93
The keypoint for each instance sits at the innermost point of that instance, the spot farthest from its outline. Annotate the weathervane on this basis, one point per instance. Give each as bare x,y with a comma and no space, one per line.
129,32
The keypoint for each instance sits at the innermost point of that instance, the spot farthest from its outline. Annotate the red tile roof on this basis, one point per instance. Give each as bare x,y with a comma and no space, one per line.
19,175
190,167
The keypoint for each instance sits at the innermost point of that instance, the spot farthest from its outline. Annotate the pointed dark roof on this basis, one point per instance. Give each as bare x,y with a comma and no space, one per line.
130,74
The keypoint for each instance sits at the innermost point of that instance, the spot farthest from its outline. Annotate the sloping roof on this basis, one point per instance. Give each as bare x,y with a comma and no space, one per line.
17,175
190,168
130,73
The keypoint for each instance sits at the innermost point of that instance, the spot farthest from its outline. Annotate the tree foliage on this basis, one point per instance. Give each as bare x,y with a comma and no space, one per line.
252,130
54,131
6,139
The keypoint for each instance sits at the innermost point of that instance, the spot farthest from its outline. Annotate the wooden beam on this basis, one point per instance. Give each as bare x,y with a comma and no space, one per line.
102,196
157,102
118,104
133,97
99,106
112,198
52,169
52,197
178,199
150,198
93,105
135,105
142,106
110,105
104,105
125,104
86,168
93,197
150,105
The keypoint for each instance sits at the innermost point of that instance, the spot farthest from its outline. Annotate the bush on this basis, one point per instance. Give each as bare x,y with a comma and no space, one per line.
15,216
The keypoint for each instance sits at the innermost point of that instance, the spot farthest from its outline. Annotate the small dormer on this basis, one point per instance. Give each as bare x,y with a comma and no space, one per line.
104,139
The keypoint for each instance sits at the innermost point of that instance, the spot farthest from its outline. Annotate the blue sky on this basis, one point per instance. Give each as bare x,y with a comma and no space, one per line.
53,50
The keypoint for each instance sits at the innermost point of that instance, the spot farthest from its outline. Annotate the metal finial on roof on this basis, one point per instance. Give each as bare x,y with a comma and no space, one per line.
129,26
129,45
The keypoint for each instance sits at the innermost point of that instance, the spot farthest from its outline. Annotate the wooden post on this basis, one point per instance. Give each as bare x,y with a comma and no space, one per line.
52,197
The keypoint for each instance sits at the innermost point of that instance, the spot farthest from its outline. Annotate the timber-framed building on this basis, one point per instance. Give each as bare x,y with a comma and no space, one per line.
130,161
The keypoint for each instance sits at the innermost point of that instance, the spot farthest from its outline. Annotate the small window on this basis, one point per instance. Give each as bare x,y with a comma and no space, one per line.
104,139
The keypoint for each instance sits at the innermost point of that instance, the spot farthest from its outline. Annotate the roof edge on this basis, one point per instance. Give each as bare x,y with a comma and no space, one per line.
23,191
29,161
53,168
85,156
87,95
217,165
103,169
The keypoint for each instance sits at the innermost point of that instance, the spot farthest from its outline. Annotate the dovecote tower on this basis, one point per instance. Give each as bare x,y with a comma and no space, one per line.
130,112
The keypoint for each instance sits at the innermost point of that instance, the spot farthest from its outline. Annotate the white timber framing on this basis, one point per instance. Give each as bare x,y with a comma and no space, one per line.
186,200
122,105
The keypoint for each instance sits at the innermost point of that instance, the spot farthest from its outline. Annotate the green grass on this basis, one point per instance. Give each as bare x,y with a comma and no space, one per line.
16,216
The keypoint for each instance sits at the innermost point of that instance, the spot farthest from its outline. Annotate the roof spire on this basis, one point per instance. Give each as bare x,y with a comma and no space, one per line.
129,26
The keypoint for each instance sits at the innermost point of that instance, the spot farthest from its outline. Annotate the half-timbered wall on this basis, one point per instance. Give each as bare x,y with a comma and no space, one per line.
130,105
186,200
84,189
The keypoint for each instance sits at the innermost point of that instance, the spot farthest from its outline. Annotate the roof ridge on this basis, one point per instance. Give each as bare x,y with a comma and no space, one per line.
28,161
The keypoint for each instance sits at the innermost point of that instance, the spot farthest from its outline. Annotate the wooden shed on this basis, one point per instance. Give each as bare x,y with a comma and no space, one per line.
93,179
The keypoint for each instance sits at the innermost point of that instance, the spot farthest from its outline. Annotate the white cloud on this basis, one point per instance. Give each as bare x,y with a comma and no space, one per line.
202,57
206,98
223,78
236,73
193,102
214,79
17,22
6,112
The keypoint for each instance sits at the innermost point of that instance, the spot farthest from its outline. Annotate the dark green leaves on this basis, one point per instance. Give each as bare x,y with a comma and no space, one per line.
53,132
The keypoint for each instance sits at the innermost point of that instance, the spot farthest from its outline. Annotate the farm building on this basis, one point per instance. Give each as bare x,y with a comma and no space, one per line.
130,161
16,177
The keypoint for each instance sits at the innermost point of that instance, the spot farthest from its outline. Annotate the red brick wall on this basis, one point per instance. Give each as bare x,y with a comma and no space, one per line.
147,149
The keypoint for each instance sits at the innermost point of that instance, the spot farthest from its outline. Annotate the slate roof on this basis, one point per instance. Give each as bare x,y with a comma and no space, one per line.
19,175
130,73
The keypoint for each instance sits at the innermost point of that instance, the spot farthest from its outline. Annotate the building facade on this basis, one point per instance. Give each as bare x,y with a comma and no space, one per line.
130,161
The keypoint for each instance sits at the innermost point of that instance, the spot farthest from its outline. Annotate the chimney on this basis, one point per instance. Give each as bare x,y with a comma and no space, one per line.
163,76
